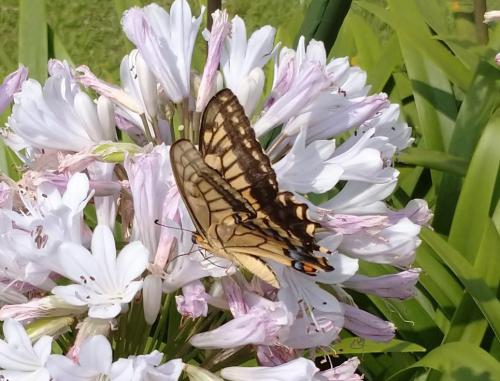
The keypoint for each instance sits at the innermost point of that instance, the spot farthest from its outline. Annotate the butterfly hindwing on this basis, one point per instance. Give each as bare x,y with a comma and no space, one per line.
229,146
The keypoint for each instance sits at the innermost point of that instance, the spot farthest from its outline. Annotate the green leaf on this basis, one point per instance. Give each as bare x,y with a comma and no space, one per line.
423,42
33,43
378,75
474,283
480,101
366,40
432,92
356,345
458,362
434,160
323,21
475,202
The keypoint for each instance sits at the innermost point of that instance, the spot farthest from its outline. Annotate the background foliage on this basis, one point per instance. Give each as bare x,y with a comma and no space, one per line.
433,58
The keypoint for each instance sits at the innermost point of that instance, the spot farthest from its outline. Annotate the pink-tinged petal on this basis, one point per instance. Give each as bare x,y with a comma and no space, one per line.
318,330
343,372
296,370
220,29
151,295
88,79
62,368
240,331
275,355
193,302
394,245
131,262
399,286
366,325
11,84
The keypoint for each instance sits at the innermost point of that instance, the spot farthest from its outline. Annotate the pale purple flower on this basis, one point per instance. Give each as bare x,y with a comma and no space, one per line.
400,285
11,85
88,79
275,354
48,220
395,245
309,81
220,30
60,116
242,61
193,302
94,362
166,43
360,197
257,321
150,177
366,325
296,370
48,306
19,358
104,281
317,167
343,372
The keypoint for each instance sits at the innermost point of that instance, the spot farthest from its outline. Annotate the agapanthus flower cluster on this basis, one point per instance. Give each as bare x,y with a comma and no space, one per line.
100,276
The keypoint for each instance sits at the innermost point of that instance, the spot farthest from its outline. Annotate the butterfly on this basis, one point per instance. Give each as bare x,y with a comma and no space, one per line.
232,195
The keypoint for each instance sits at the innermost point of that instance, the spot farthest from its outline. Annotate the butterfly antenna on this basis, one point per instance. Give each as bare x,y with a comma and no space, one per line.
207,258
157,222
183,255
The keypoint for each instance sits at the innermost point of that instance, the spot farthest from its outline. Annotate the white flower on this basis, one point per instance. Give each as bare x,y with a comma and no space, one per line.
296,370
166,43
50,219
19,359
60,116
105,281
242,62
94,362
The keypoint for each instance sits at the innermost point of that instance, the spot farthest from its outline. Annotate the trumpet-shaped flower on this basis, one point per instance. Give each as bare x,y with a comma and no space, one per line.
296,370
166,43
19,358
11,85
60,116
104,281
242,61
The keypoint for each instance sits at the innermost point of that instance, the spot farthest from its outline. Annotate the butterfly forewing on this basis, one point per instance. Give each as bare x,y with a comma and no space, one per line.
229,146
208,197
